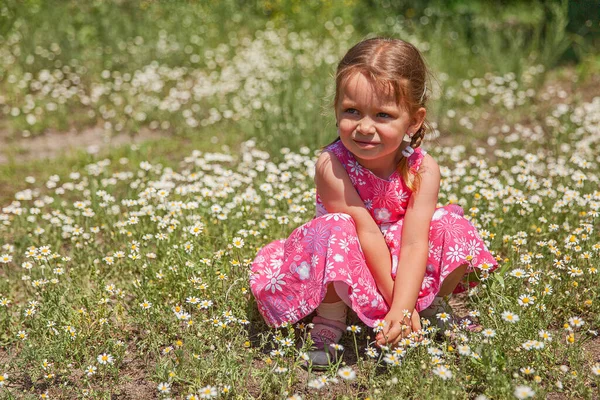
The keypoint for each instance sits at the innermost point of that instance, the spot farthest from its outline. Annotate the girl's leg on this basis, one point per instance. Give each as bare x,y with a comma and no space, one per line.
331,296
332,307
452,280
329,326
439,303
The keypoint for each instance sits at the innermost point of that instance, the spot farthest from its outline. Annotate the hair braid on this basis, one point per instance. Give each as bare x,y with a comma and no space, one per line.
417,138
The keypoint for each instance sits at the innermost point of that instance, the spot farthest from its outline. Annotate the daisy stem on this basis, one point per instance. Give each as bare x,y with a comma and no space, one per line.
356,347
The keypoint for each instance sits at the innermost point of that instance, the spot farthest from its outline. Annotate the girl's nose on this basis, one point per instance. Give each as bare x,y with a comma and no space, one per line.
366,126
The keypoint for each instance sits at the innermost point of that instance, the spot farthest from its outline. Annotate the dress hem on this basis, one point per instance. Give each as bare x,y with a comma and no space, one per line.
421,304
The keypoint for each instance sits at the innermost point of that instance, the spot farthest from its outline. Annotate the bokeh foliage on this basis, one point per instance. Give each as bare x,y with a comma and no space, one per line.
460,39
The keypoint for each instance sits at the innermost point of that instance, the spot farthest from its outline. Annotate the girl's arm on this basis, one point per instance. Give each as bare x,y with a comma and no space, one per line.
414,249
339,196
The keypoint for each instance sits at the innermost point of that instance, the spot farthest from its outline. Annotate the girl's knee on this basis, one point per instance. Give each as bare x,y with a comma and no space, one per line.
341,219
341,216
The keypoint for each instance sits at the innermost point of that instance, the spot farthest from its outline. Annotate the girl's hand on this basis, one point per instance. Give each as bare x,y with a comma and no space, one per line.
397,327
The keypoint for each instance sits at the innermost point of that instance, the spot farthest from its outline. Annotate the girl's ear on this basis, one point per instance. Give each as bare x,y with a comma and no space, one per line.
418,119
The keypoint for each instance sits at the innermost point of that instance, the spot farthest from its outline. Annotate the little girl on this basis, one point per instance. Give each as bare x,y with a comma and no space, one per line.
377,244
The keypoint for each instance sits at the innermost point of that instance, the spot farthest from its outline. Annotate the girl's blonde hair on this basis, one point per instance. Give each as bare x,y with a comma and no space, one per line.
390,63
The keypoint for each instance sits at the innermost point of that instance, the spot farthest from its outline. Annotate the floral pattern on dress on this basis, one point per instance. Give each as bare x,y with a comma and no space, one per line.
289,278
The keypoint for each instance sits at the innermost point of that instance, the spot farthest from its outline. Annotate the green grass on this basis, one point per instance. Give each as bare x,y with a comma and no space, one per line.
145,334
166,151
108,53
122,261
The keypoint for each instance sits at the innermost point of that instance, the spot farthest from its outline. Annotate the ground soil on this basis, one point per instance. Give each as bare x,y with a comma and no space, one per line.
53,144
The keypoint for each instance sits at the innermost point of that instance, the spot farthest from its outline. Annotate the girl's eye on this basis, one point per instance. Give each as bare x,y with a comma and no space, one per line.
351,110
383,115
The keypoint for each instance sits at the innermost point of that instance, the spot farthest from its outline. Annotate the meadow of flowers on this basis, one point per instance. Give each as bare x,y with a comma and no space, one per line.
128,277
175,69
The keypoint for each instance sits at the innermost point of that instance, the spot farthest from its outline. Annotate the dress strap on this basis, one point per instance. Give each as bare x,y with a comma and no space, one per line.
339,150
415,159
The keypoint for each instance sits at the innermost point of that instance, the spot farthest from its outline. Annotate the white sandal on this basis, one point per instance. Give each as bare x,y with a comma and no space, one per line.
324,333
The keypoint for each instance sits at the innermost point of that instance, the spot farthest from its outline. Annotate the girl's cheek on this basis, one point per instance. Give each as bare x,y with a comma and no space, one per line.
347,126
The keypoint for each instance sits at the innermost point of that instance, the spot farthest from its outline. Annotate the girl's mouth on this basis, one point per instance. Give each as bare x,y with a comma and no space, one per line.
366,145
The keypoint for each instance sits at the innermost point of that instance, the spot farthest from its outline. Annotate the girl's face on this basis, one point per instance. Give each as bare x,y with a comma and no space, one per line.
371,124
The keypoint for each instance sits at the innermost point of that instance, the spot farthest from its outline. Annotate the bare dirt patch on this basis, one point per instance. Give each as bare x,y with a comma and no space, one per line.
136,385
573,89
53,144
593,349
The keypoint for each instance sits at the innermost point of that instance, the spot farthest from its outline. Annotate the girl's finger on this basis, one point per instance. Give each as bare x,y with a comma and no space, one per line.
405,331
386,327
416,321
393,334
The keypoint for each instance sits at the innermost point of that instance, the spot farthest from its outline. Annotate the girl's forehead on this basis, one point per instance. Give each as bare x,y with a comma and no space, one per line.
359,88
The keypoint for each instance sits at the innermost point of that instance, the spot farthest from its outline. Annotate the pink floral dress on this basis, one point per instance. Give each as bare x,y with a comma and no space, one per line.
289,277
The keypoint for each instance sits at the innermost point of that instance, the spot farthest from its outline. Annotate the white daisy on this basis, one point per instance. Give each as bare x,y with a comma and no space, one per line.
347,373
510,317
524,392
105,358
443,372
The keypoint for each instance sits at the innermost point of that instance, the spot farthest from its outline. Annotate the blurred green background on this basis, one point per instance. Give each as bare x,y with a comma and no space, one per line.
262,68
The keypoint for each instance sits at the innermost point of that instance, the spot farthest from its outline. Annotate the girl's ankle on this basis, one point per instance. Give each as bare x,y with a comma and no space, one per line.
333,311
438,305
